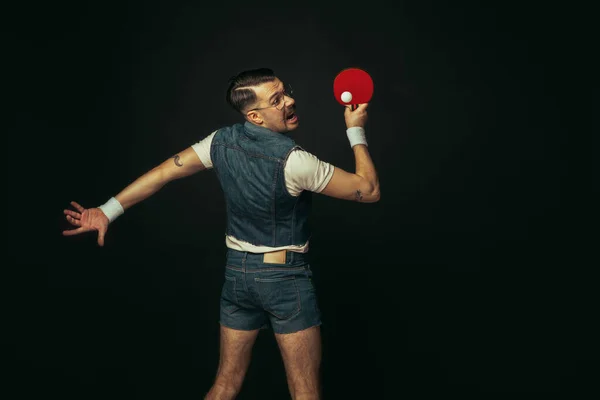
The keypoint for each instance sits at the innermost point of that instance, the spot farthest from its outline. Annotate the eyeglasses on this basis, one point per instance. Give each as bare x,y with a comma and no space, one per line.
278,102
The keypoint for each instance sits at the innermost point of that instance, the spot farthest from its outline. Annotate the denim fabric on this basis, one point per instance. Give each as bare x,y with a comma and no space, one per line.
256,295
249,162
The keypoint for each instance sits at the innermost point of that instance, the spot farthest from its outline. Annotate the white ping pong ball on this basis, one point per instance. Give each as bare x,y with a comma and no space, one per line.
346,97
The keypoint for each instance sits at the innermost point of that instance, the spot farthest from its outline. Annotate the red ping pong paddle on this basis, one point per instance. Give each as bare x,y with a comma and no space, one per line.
353,86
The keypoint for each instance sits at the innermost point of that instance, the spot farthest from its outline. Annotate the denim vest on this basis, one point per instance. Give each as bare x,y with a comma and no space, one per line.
249,162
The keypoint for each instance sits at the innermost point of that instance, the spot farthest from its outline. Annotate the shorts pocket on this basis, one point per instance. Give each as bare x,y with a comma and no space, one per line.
279,296
229,300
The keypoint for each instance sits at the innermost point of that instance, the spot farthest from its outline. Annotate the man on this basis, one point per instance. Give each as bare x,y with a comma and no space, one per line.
267,181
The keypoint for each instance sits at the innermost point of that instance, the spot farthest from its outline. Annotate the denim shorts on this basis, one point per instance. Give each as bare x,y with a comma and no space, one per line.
256,295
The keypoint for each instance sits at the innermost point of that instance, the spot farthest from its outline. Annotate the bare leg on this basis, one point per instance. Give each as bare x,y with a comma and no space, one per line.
234,359
301,353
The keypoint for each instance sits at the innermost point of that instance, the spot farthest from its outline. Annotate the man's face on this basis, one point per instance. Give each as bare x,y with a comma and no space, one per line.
274,109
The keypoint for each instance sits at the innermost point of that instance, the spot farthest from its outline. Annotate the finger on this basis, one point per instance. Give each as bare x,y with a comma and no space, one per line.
71,232
73,214
101,234
73,221
364,105
77,206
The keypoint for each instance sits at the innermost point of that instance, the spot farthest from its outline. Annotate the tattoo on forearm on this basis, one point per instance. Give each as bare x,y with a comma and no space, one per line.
358,195
176,160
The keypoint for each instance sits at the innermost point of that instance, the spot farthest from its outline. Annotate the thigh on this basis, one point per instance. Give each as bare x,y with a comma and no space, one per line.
301,354
235,353
236,346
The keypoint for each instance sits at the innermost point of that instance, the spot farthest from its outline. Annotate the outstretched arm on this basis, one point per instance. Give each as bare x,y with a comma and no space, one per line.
180,165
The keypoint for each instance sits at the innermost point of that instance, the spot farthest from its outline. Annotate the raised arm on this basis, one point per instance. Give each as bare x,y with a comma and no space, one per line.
362,185
180,165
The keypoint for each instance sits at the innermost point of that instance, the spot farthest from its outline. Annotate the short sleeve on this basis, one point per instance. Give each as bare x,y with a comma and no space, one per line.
202,149
304,171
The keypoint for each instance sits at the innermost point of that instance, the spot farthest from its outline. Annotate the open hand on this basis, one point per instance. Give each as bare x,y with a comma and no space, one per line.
90,219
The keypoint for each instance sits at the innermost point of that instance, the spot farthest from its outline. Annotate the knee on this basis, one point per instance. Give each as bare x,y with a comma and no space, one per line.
306,389
222,389
305,395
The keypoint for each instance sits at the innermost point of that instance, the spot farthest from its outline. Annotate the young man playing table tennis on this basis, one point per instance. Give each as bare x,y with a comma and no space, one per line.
267,182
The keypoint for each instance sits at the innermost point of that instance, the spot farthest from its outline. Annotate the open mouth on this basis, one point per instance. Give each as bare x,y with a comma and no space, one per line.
291,118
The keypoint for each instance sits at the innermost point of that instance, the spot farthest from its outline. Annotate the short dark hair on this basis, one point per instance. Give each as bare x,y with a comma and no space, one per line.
240,95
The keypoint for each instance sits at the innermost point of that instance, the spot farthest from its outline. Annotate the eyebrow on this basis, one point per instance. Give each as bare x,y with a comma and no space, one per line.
276,93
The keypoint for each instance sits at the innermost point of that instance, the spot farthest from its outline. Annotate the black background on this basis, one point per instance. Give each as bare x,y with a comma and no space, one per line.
466,278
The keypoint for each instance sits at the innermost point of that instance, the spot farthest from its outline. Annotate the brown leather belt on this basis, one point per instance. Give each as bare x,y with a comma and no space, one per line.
275,257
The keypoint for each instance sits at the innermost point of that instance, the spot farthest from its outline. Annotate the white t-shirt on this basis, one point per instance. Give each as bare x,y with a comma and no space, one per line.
302,171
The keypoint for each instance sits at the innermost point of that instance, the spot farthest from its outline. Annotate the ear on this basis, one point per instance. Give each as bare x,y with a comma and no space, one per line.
254,117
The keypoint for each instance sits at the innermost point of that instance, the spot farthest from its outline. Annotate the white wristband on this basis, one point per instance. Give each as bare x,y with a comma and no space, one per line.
112,209
356,135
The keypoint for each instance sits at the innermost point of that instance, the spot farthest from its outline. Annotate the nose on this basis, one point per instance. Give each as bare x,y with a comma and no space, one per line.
289,100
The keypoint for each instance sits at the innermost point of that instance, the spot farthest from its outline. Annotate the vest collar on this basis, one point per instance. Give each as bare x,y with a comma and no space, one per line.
256,132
